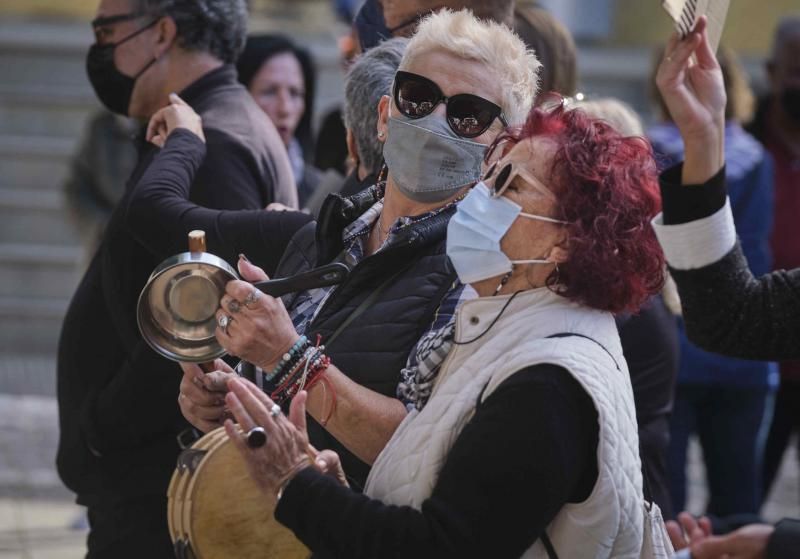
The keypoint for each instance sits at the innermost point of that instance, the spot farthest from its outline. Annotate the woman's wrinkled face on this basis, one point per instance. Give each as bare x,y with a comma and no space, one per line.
531,238
279,89
453,75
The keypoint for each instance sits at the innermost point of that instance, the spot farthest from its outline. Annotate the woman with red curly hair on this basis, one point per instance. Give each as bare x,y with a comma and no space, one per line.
527,445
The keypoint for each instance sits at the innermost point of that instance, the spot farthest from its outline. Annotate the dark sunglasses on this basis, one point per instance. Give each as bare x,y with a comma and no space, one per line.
468,115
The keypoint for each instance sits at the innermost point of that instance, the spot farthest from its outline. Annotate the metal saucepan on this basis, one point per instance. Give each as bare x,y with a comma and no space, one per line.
176,309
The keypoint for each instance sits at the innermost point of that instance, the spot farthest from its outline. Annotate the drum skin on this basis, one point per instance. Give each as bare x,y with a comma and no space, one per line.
221,513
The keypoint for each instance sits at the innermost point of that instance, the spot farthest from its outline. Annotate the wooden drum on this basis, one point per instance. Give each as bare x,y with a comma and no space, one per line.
216,511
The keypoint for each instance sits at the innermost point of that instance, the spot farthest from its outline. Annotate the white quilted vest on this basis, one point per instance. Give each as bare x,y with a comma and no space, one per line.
610,522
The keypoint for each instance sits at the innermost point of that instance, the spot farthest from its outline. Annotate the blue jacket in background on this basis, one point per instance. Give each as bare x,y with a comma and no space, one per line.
749,174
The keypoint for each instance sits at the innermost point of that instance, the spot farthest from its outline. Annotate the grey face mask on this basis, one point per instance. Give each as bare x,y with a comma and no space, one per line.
427,161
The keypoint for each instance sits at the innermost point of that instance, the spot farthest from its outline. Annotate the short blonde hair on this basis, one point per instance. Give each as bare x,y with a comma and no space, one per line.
462,34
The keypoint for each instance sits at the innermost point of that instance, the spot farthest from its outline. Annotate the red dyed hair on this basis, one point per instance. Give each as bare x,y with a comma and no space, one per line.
607,190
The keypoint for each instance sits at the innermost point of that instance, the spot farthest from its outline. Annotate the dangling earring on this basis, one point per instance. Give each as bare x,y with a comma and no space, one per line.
381,134
503,282
558,275
383,173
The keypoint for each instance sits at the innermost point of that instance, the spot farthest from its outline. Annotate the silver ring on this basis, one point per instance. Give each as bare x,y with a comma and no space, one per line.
234,306
252,297
223,322
275,411
256,437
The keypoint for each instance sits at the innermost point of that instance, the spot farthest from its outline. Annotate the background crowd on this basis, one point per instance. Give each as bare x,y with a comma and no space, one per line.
743,412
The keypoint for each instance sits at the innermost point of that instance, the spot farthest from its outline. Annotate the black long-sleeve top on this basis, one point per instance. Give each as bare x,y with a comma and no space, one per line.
725,308
530,448
117,412
160,213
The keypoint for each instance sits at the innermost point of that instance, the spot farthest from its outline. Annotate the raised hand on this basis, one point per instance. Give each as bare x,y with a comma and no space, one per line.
178,114
694,93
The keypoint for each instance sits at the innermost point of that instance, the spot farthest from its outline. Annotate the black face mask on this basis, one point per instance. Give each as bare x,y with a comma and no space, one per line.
112,87
790,100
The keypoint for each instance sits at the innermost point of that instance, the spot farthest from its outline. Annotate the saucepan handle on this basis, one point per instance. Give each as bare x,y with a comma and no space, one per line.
324,276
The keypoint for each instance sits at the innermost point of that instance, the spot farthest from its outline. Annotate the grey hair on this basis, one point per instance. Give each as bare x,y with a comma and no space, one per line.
787,26
218,27
370,78
618,114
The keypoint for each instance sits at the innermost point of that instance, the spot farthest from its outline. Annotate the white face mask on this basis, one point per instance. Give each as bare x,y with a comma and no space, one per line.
475,231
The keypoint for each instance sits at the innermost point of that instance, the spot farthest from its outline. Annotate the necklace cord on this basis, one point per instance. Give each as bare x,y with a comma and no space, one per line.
482,334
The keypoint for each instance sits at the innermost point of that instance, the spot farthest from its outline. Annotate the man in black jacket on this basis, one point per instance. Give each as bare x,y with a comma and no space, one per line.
117,408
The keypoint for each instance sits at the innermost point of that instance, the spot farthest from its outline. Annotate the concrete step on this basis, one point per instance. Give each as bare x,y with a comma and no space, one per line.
31,324
38,110
27,373
37,162
44,53
38,270
28,446
36,216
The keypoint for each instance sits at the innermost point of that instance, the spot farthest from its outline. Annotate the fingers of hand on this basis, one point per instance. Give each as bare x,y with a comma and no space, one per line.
232,305
705,525
676,535
224,321
297,411
221,365
705,53
243,418
235,435
328,461
175,99
203,417
257,393
690,527
715,546
240,290
700,25
673,41
216,381
156,121
193,395
190,370
250,271
254,408
687,521
680,55
204,413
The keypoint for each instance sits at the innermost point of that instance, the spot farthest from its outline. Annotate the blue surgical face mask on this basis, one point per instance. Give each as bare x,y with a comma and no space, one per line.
475,231
427,161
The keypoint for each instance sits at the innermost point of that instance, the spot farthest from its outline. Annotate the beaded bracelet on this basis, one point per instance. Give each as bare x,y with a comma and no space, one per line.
313,366
291,371
290,357
293,376
314,369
